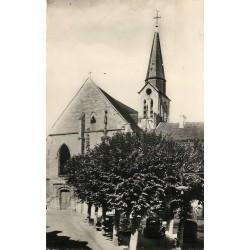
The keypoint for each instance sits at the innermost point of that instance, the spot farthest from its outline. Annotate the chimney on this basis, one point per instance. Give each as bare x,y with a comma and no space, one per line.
182,121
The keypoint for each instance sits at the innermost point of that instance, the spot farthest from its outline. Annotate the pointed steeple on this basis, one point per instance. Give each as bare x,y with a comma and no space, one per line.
155,73
155,105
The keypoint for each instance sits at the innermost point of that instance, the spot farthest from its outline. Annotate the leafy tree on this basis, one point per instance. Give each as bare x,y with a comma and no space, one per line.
137,173
191,186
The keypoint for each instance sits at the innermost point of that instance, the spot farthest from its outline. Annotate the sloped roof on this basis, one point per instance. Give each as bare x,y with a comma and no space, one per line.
127,112
191,130
68,121
155,66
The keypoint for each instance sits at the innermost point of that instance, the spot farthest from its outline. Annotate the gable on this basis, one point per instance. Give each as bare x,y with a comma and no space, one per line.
90,98
148,84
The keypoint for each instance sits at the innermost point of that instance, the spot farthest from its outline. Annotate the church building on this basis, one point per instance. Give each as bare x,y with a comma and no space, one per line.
90,115
93,114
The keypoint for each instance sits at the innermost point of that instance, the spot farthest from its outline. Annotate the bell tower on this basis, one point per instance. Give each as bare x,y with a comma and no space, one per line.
154,104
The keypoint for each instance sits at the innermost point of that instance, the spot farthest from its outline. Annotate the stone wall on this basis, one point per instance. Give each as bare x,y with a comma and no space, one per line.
69,130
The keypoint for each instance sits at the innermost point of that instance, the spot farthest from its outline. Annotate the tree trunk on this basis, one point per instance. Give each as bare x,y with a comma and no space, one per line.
115,236
89,210
117,219
104,210
133,240
96,215
180,232
170,227
134,233
116,227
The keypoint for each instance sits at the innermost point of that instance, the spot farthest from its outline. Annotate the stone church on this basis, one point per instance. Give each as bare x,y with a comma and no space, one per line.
93,113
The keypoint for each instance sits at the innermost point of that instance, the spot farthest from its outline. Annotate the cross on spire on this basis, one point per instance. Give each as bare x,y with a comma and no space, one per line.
156,17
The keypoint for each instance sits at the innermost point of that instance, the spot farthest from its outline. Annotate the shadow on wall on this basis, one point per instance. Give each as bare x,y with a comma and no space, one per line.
55,242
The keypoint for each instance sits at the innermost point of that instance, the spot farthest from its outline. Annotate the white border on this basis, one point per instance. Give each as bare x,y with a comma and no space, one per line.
23,135
22,102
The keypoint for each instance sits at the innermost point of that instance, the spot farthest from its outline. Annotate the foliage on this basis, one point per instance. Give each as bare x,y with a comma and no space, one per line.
138,173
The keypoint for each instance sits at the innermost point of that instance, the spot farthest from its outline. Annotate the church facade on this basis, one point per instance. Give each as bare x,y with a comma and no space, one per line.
93,114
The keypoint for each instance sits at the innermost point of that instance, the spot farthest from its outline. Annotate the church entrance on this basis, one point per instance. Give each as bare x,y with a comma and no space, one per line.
64,199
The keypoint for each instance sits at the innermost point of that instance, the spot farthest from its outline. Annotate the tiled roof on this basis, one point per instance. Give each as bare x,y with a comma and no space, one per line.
191,130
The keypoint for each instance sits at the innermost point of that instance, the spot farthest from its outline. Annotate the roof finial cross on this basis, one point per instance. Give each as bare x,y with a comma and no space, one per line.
157,17
90,75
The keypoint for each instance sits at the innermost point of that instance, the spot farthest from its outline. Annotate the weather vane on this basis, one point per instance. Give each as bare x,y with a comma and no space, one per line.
157,17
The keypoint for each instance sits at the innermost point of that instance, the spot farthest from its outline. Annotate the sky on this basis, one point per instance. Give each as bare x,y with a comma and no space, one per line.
112,39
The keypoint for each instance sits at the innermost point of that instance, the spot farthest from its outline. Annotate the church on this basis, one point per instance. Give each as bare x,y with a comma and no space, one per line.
93,113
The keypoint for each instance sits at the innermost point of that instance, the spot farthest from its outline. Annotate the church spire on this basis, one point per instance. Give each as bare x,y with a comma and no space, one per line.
155,73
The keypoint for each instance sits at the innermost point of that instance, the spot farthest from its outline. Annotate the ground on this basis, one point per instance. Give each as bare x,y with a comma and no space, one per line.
68,230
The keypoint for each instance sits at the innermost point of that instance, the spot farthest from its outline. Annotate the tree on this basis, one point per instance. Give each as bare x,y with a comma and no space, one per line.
134,173
191,186
91,184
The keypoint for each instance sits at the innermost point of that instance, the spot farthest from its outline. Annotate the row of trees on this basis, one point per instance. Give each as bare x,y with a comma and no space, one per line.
140,174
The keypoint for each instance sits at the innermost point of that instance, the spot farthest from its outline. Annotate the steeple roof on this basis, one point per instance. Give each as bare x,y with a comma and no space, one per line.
155,73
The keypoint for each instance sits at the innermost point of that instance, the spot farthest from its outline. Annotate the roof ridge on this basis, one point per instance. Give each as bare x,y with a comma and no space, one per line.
118,101
121,108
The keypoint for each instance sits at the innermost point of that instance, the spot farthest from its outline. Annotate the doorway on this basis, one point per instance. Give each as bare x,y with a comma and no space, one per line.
64,199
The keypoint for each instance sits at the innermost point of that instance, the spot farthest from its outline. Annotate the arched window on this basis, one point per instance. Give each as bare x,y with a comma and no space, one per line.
151,108
64,156
144,109
165,111
92,120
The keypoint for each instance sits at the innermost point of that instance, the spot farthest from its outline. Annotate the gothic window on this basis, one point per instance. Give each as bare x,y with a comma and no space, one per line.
64,156
92,118
166,108
165,111
105,119
93,121
144,109
151,108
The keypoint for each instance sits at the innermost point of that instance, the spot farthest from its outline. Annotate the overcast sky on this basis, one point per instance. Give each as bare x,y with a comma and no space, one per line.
113,39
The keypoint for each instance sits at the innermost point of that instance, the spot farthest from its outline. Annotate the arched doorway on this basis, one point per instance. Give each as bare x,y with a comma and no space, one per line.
65,199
